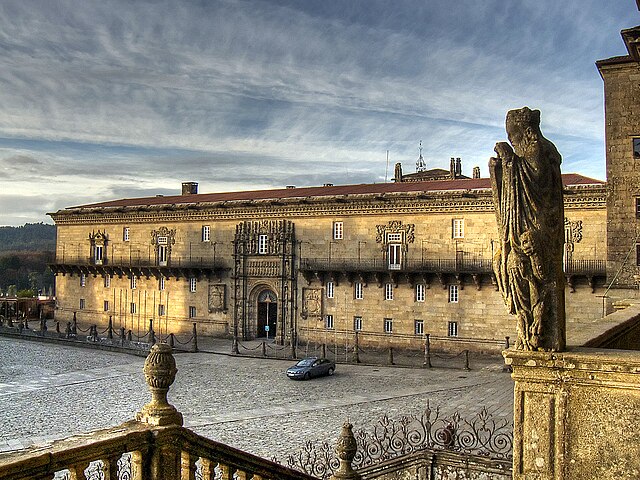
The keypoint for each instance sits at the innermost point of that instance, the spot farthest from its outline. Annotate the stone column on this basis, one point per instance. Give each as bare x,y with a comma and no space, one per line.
576,414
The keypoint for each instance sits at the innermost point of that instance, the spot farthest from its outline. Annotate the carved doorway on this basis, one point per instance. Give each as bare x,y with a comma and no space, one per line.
267,314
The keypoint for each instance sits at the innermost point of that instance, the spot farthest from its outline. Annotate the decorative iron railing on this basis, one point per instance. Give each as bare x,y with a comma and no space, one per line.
482,435
140,260
435,265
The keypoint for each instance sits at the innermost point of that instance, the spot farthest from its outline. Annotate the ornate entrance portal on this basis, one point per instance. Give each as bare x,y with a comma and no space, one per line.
267,314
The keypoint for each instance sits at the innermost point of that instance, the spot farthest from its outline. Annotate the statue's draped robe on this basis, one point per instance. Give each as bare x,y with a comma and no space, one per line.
528,197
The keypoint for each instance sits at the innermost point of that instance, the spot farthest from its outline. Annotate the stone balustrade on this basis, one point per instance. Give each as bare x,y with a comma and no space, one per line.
155,446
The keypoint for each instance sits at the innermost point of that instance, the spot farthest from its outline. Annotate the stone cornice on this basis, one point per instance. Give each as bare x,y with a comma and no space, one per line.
463,201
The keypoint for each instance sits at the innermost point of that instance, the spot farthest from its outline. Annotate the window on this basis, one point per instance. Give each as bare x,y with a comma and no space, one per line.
206,233
262,244
338,230
636,148
394,256
107,280
162,255
388,291
106,305
192,311
125,234
638,254
83,280
419,327
357,324
134,282
453,293
637,207
357,291
161,310
453,329
420,289
132,307
161,283
330,291
193,282
458,228
82,304
328,322
388,325
99,249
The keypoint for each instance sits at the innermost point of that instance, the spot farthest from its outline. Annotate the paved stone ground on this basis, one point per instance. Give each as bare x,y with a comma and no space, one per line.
51,391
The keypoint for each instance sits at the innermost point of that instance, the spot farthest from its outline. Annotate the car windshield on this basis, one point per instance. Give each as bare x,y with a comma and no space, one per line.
305,362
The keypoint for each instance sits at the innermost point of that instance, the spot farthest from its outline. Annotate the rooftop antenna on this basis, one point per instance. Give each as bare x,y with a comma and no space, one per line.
420,165
386,172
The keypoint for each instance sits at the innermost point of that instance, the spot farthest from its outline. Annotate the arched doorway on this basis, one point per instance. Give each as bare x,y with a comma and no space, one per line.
267,314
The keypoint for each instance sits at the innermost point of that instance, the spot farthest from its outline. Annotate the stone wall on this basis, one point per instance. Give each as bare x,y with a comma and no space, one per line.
622,125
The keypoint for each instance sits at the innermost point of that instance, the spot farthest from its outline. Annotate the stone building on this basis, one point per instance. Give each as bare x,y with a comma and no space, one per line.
621,77
392,261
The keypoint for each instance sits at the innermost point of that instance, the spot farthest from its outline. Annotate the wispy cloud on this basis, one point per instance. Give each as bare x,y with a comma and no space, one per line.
115,98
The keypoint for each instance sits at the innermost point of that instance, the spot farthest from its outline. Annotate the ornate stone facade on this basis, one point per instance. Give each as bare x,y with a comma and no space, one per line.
228,255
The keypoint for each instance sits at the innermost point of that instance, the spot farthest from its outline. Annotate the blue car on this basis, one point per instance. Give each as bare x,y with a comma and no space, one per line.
311,367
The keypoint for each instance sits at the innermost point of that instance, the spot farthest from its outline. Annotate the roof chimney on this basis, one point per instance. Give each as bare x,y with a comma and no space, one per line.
458,167
189,188
476,172
452,168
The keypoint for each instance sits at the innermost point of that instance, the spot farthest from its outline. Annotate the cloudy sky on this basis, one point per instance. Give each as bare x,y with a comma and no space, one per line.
105,99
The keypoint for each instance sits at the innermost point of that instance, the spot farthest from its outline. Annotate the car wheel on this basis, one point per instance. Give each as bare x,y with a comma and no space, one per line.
307,376
331,371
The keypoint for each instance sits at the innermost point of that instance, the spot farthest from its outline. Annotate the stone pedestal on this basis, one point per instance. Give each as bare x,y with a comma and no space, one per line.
576,414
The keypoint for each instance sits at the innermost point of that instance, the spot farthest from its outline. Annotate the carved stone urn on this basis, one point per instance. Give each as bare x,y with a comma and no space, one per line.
159,373
346,449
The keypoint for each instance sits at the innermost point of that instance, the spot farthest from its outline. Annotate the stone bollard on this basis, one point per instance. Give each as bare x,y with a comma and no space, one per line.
346,449
356,349
506,368
68,332
324,350
110,329
129,335
74,325
122,335
466,360
172,340
264,349
152,334
391,356
58,327
159,373
195,339
427,351
26,323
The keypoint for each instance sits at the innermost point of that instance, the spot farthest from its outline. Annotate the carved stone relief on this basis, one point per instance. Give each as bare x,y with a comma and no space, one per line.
311,302
217,297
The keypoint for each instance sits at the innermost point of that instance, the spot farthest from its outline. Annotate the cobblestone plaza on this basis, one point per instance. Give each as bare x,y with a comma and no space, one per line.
50,391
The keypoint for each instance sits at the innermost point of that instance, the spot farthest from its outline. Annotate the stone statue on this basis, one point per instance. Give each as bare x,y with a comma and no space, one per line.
527,194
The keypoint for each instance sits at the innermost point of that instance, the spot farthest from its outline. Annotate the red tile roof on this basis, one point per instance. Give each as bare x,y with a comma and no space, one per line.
569,179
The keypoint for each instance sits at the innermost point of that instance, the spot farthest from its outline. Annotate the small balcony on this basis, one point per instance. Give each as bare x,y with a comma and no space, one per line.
459,270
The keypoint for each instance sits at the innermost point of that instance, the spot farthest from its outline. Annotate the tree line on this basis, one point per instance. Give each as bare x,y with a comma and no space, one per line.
25,252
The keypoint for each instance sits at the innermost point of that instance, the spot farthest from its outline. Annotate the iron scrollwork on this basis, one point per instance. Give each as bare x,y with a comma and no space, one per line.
482,435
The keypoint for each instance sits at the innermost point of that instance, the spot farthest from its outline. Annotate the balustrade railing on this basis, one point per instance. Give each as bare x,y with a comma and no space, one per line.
153,447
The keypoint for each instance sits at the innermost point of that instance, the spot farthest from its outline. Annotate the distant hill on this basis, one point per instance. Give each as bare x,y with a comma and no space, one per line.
35,237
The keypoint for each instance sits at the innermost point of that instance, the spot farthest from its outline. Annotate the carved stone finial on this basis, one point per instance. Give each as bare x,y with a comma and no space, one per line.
346,449
159,373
